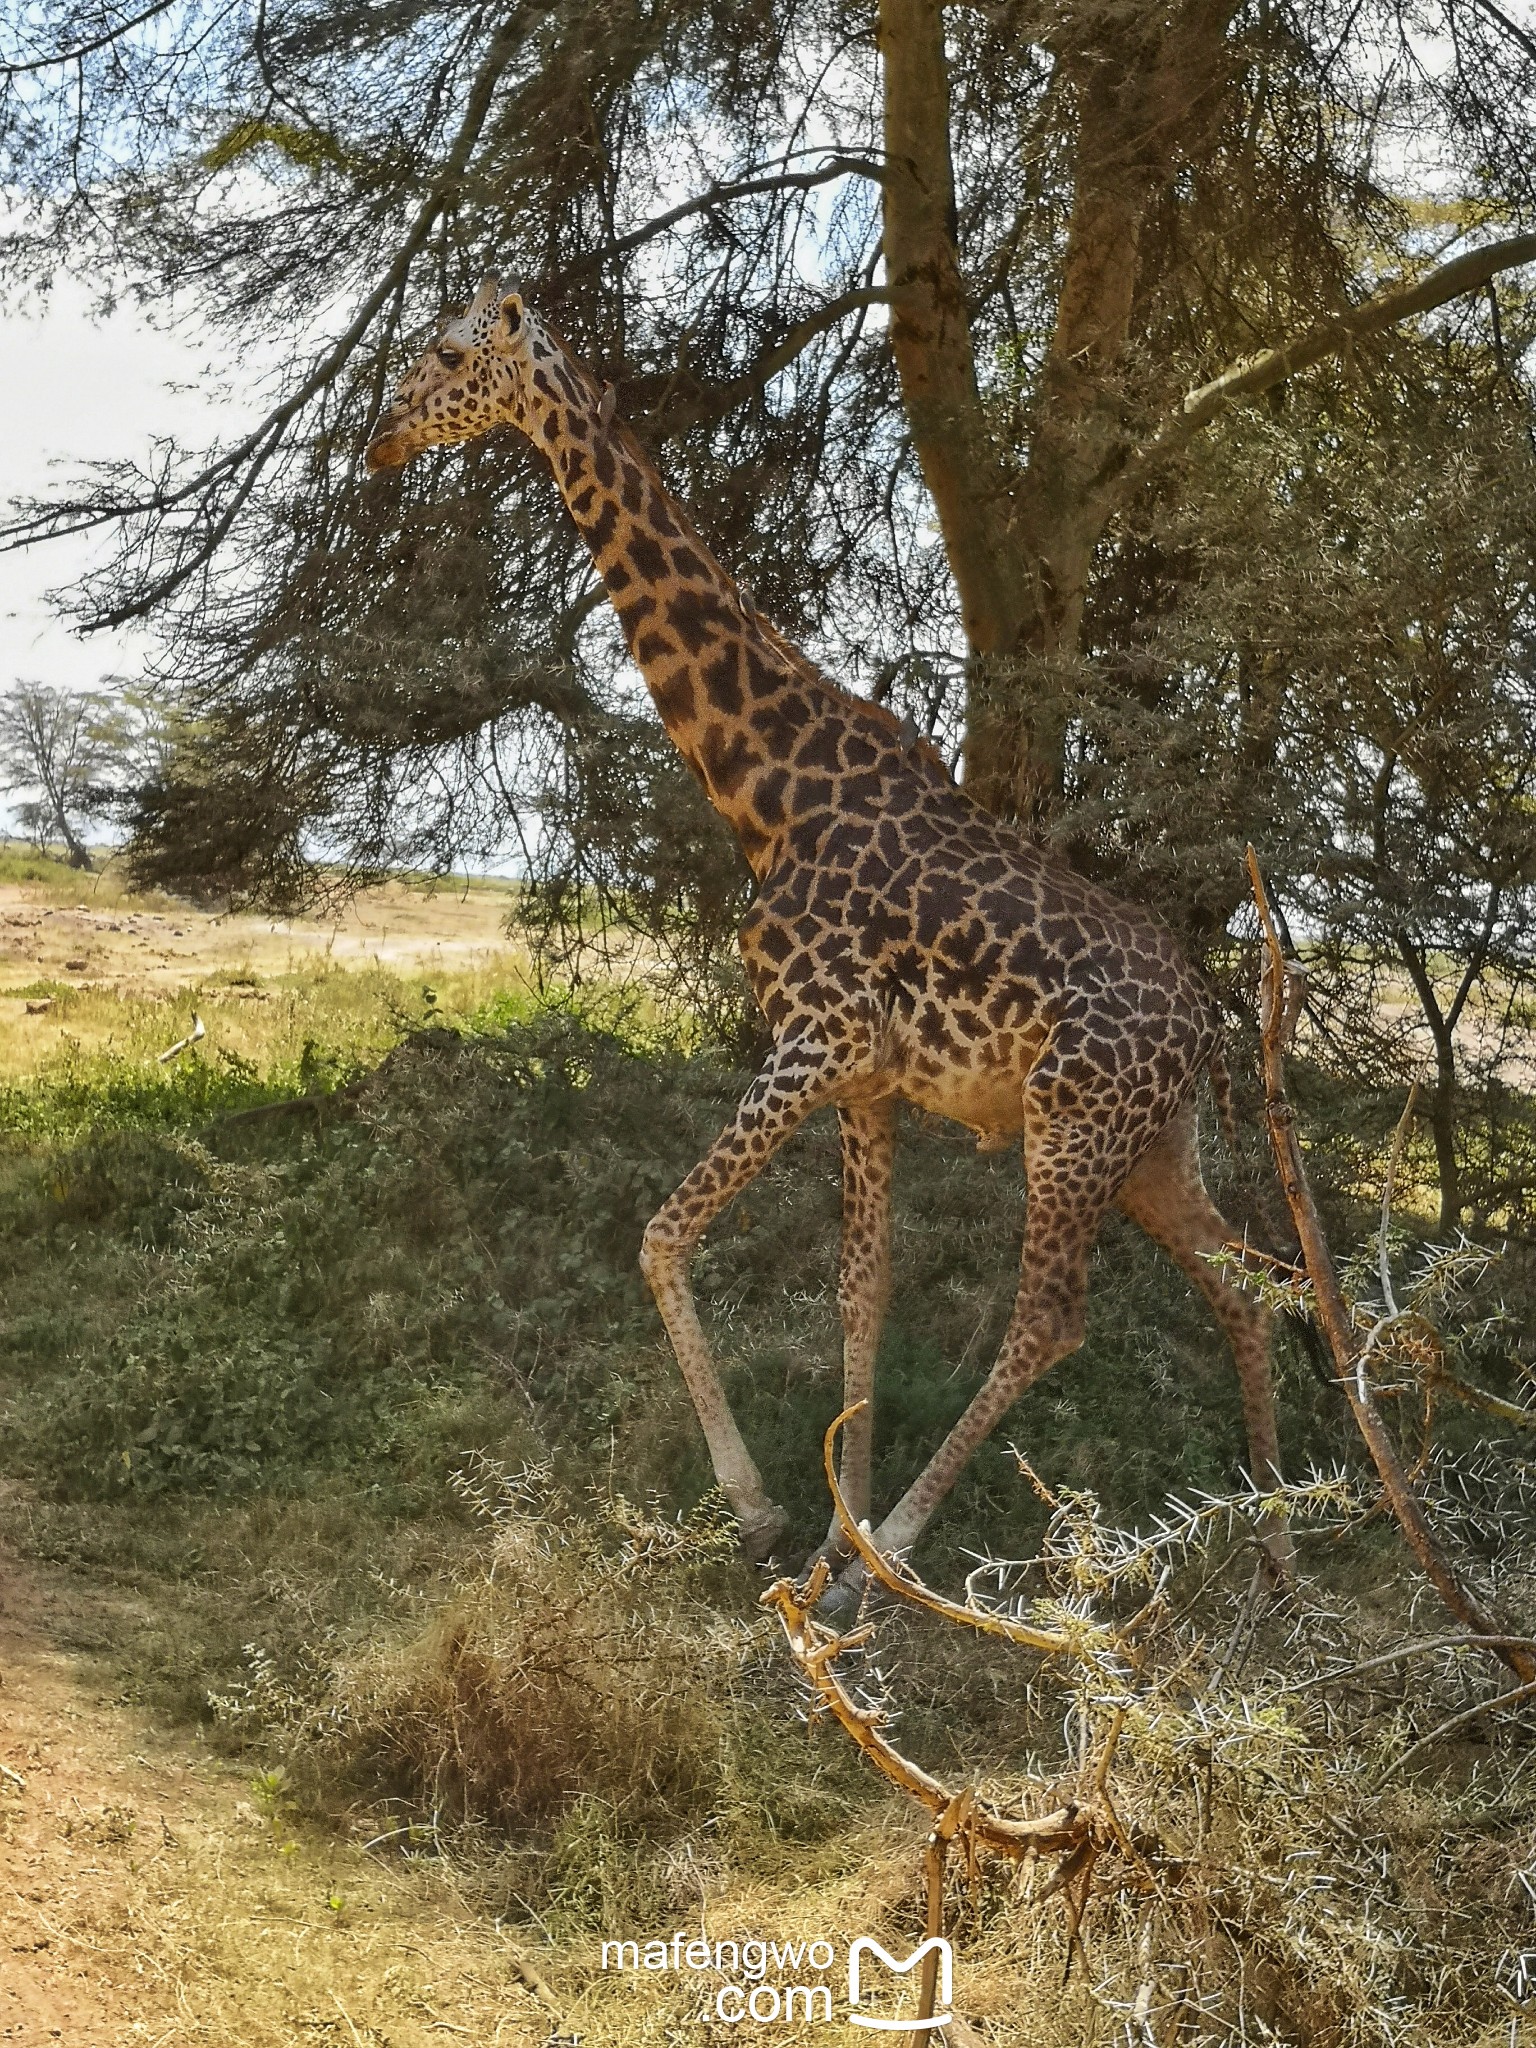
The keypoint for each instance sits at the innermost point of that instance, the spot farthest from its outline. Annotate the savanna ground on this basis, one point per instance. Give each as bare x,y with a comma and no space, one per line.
372,1644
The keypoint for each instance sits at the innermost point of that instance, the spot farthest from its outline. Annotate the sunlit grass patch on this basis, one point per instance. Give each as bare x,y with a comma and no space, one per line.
94,1061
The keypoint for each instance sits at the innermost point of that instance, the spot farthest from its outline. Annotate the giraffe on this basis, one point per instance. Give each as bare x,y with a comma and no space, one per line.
902,943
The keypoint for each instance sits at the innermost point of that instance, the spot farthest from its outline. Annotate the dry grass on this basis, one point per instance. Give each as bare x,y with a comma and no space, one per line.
89,971
571,1724
548,1678
599,1746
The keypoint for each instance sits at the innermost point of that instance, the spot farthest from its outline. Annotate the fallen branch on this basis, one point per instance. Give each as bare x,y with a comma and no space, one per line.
952,1821
816,1650
530,1979
199,1030
1279,1004
1401,1656
1449,1727
1091,1641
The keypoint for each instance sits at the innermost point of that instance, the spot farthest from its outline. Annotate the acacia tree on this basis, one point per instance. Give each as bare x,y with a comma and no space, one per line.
1324,642
56,749
854,269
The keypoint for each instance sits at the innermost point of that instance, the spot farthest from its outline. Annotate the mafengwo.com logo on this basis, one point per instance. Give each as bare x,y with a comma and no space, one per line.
757,1982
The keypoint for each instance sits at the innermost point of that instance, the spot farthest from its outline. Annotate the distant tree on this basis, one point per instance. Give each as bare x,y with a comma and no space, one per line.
56,749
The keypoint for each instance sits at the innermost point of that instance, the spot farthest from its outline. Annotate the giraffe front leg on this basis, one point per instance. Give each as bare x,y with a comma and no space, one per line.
800,1076
864,1286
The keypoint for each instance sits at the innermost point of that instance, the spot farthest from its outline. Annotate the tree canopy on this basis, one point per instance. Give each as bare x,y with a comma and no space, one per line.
1081,379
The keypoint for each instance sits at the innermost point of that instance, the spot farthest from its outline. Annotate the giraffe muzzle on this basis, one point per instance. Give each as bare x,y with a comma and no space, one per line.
387,449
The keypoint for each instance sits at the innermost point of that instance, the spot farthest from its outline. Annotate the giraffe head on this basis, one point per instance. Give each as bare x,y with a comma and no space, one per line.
473,377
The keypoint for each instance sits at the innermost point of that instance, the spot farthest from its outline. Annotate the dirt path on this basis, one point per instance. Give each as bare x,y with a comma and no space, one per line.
77,1820
126,941
144,1901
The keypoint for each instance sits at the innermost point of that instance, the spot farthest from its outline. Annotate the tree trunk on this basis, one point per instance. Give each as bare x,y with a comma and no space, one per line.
931,329
1021,541
1442,1113
73,845
1442,1124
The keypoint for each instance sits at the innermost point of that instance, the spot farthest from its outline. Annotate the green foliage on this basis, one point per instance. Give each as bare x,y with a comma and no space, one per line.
254,1308
317,1314
257,1305
79,1091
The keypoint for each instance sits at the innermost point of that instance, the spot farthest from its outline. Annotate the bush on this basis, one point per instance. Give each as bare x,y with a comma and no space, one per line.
576,1660
258,1302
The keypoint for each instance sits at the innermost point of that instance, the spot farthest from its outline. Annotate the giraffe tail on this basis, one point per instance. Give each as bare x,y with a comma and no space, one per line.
1221,1088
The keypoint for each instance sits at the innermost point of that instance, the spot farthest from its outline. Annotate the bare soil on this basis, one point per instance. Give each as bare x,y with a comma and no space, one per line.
134,944
145,1900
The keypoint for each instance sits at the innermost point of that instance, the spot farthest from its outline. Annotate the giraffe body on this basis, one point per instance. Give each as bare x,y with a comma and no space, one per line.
902,944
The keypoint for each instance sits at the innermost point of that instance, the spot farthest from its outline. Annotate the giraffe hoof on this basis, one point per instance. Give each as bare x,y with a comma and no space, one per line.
761,1532
838,1607
833,1553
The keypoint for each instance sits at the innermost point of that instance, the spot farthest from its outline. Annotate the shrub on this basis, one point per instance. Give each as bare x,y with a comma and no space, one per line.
575,1661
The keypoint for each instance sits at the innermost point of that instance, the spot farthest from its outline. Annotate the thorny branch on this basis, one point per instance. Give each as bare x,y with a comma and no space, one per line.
1111,1661
897,1577
1260,373
1281,984
816,1650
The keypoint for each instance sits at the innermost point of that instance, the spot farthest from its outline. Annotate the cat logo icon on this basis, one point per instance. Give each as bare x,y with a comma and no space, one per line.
865,1946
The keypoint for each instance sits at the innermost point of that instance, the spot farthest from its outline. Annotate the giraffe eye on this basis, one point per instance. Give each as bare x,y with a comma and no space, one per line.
450,358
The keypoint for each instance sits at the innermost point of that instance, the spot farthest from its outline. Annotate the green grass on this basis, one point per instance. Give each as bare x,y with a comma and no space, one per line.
246,1364
201,1306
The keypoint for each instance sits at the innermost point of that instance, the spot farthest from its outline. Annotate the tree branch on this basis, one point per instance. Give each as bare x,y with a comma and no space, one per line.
262,442
818,1649
1260,373
714,401
1510,28
897,1577
839,166
89,49
1333,1309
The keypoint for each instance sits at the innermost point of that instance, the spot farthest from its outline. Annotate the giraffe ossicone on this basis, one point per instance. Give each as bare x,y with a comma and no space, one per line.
903,944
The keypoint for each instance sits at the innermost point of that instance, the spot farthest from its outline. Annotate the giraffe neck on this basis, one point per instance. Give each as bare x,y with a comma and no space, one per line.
767,735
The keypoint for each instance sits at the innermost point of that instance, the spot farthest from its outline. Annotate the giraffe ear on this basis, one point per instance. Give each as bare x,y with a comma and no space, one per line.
512,312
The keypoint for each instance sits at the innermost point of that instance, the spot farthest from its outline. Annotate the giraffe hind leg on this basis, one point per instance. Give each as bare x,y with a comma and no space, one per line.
1167,1196
1070,1185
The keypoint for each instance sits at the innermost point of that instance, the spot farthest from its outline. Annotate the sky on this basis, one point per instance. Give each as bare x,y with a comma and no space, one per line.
78,389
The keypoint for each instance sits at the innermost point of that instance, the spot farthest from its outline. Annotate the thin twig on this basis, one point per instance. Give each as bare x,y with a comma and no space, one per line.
1383,1254
1409,1650
1505,1699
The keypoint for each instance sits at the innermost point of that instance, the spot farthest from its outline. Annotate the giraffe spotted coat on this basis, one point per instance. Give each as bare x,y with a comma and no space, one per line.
902,944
